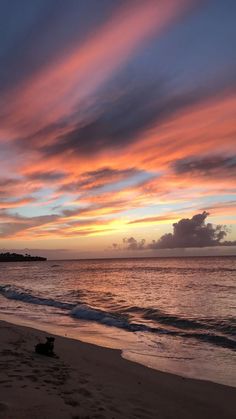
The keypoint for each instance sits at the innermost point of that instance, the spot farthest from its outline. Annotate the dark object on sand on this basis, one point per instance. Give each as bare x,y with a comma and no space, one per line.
46,348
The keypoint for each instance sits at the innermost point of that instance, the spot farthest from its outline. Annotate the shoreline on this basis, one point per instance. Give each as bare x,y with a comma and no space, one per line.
124,343
95,382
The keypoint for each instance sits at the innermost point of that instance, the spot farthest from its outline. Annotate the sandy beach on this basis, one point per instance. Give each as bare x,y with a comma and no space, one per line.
88,381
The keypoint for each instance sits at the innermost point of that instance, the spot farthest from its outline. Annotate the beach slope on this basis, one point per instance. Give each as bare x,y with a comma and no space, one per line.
88,381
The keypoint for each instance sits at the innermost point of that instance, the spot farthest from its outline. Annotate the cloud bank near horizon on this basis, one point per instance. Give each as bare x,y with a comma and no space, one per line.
187,233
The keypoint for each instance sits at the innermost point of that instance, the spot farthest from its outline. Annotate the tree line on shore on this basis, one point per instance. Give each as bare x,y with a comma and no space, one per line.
16,257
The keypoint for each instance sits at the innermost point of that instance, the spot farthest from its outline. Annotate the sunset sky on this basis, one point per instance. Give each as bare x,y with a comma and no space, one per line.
117,119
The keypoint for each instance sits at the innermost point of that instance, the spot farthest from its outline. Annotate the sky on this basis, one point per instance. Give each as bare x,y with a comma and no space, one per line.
117,127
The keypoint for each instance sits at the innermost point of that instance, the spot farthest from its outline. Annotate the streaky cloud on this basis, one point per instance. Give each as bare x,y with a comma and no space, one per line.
211,164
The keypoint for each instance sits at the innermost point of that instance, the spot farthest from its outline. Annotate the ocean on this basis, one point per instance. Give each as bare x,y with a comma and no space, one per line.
172,314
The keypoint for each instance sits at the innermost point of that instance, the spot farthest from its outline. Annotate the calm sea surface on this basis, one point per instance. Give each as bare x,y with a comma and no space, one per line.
176,315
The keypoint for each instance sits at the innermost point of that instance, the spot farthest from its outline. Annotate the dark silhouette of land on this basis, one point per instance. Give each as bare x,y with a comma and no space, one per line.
15,257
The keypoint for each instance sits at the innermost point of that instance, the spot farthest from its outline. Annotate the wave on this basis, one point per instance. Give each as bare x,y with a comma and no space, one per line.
161,269
179,327
224,326
87,313
171,269
164,318
16,293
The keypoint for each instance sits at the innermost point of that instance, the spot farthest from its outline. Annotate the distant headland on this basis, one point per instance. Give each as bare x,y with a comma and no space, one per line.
15,257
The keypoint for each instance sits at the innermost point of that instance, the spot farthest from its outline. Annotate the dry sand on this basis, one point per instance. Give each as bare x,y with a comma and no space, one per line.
88,381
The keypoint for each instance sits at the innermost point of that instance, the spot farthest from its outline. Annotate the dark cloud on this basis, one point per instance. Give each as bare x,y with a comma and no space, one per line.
38,32
8,182
187,233
117,122
206,165
98,178
107,172
123,114
46,176
118,118
149,88
191,232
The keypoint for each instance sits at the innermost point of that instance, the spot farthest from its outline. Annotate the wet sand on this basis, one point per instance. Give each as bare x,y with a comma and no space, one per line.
88,381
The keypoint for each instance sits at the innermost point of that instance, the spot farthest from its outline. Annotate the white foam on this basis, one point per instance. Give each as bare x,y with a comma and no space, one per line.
85,312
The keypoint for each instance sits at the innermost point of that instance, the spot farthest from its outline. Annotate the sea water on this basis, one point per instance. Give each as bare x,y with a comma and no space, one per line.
172,314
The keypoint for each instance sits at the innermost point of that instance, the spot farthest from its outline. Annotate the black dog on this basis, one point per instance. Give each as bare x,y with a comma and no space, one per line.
46,348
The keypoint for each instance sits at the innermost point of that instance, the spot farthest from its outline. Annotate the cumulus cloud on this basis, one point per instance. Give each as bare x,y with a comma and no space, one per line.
192,232
187,233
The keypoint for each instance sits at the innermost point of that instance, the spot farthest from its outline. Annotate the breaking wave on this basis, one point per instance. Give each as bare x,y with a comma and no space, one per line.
162,323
